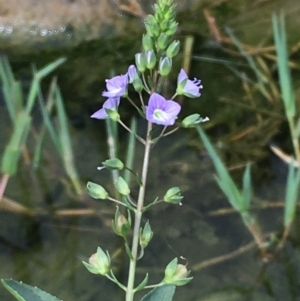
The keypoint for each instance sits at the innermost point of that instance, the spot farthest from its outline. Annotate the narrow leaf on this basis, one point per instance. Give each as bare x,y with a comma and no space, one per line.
25,292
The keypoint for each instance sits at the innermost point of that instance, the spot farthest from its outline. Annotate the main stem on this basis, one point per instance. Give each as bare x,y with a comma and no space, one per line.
138,218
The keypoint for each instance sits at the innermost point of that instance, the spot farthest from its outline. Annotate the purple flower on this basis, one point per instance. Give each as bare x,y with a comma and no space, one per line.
189,88
111,103
162,111
116,86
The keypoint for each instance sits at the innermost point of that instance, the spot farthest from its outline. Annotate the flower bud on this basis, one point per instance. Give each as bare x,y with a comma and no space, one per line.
141,62
193,120
173,49
99,263
165,66
170,14
146,235
173,196
122,186
113,164
147,42
152,27
121,225
138,85
151,59
164,25
96,191
132,73
172,29
176,274
162,41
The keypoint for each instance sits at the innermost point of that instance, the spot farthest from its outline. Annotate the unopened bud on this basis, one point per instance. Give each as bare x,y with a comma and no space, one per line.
99,263
140,61
173,49
147,42
120,224
165,66
146,235
151,59
176,274
162,41
173,196
96,191
122,186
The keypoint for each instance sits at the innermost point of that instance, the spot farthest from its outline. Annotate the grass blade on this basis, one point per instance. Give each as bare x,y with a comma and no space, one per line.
283,66
65,143
224,179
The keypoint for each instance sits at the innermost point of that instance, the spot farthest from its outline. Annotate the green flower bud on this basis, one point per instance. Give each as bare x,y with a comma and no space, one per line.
121,225
170,14
173,49
96,191
113,114
141,62
113,164
122,186
138,85
146,235
173,196
165,66
151,59
152,27
99,263
147,42
164,25
172,29
163,41
193,120
157,9
176,274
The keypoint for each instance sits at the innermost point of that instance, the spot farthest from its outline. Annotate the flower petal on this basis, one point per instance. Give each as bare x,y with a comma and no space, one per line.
161,111
110,103
181,76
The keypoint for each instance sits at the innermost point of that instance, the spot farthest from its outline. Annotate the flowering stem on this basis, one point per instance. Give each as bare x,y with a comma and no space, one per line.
172,131
130,131
132,102
138,217
145,84
118,202
174,96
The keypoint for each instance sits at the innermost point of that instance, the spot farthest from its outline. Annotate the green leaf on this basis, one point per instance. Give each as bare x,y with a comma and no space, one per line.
291,194
143,283
247,188
283,66
161,293
25,292
224,179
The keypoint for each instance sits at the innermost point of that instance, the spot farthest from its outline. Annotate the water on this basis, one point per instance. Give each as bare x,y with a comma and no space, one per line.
46,250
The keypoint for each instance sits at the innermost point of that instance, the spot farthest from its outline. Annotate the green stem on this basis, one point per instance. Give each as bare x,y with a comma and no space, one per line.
138,218
294,138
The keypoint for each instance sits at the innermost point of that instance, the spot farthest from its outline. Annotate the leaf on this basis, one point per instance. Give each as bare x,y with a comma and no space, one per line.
161,293
25,292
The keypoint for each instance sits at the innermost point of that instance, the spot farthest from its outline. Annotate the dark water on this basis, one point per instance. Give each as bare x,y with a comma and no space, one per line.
46,250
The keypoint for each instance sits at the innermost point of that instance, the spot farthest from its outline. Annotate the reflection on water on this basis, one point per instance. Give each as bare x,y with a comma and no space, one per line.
46,250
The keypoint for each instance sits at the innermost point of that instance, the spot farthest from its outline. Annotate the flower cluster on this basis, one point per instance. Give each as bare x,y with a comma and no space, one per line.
158,110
